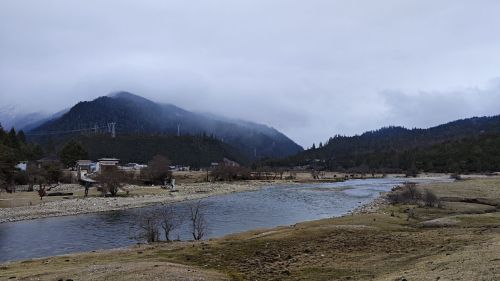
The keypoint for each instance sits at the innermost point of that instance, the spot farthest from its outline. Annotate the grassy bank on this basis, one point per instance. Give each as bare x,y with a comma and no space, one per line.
458,241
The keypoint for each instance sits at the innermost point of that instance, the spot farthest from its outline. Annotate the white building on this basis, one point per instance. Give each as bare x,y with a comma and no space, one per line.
23,165
106,162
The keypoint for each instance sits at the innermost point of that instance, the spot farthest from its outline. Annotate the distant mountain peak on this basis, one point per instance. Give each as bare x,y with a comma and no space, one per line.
124,95
12,117
134,114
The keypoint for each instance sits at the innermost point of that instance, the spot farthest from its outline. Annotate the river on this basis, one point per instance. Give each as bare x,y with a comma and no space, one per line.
269,207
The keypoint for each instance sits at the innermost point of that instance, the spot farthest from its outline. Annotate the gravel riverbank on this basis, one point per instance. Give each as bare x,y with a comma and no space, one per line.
373,206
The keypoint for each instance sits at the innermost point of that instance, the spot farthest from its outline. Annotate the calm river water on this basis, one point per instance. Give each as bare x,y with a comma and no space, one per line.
225,214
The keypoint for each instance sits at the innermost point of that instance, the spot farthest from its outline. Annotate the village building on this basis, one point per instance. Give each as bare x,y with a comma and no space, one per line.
134,166
230,163
22,165
51,159
84,165
104,163
83,169
180,168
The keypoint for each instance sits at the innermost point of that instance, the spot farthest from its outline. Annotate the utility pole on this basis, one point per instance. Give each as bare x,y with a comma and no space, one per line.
178,129
111,129
113,132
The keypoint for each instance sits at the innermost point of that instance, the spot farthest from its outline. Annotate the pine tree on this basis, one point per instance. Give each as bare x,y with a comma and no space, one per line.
72,152
21,136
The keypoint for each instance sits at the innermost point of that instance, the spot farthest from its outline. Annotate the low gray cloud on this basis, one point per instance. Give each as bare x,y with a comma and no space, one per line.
309,68
425,109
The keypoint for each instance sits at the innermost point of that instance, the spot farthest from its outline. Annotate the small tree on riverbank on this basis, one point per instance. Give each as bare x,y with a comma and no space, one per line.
148,227
111,180
430,199
199,225
409,193
47,176
150,223
158,170
169,221
230,173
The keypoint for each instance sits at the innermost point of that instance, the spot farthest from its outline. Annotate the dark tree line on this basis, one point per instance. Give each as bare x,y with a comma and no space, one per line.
195,151
474,154
13,149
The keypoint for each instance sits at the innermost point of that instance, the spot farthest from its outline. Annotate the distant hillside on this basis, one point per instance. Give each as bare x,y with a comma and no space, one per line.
462,145
10,117
134,114
195,151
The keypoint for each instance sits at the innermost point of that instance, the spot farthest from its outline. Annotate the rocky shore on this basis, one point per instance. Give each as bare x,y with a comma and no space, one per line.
373,206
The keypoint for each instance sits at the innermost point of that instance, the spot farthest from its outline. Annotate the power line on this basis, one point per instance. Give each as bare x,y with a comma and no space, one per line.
110,127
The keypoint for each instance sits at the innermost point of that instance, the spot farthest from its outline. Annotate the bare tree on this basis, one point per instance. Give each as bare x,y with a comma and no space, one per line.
87,187
198,221
47,177
3,184
169,221
280,172
315,174
412,190
430,199
291,175
158,170
149,227
42,192
408,193
230,173
111,180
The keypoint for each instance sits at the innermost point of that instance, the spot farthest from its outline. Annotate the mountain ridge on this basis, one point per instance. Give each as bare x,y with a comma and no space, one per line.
135,114
397,149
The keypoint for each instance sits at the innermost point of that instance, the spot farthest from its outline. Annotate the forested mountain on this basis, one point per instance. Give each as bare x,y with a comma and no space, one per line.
463,145
137,115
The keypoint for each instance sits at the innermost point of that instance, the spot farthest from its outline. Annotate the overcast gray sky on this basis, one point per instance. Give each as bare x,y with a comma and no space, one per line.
311,68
